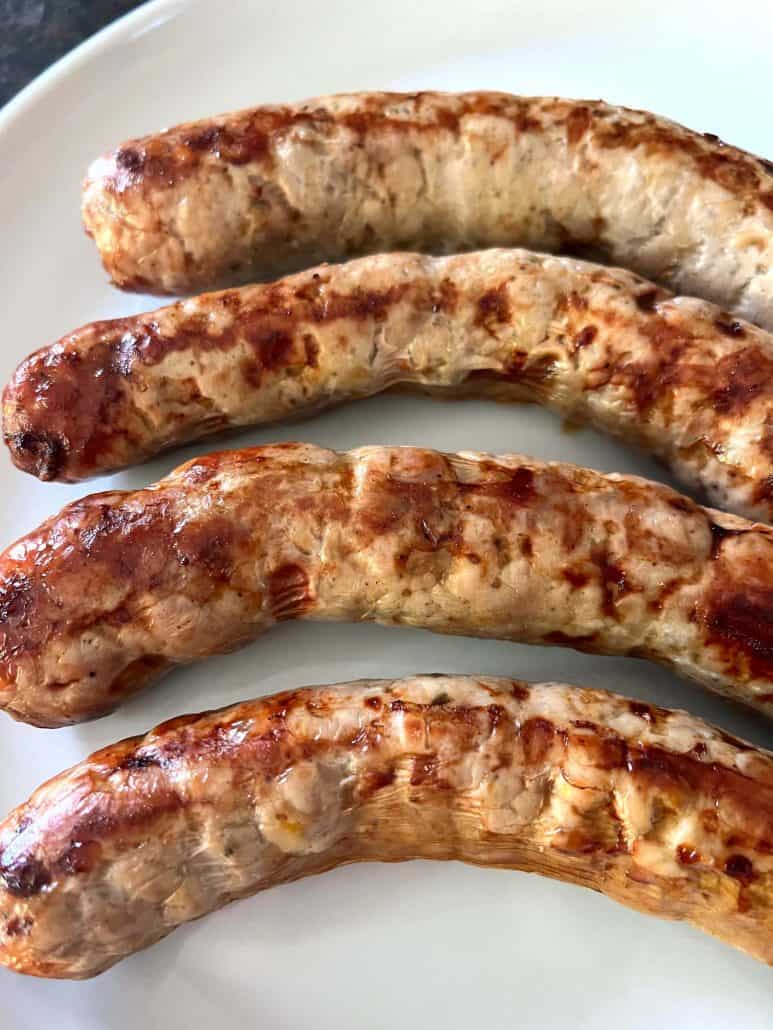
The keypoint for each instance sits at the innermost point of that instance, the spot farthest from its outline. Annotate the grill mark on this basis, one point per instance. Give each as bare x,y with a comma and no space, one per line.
601,749
192,739
577,578
64,398
69,405
134,544
613,581
643,711
25,877
429,500
539,737
94,379
585,337
732,169
578,122
208,545
374,780
493,309
24,610
740,625
516,485
730,384
139,761
445,297
252,136
743,379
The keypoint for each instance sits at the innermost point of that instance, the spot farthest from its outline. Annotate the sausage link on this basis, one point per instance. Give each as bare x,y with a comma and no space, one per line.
120,587
655,808
262,192
598,345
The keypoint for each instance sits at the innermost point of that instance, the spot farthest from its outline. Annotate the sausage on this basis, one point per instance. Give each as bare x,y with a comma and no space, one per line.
655,808
686,380
265,191
121,586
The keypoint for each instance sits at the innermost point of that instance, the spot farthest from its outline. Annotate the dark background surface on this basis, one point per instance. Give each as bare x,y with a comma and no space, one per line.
35,33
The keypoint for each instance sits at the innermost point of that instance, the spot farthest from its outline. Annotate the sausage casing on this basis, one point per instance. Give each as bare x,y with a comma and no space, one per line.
261,192
653,807
121,586
598,345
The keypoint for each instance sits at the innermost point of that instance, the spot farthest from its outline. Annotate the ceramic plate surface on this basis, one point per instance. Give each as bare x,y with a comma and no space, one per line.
419,945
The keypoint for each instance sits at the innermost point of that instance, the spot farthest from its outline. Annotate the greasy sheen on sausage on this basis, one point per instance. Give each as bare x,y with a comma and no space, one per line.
676,375
265,191
121,586
654,808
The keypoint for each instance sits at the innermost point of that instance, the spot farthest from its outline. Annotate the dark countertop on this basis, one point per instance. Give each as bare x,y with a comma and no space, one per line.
38,32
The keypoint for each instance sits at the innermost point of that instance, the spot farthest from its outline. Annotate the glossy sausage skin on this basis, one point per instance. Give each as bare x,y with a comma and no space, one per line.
655,808
120,587
261,192
676,375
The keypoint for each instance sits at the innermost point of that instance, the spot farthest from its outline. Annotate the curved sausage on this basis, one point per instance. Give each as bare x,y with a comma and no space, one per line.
598,345
120,587
655,808
269,190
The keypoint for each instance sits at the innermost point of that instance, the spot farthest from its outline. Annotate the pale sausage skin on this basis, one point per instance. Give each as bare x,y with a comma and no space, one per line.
655,808
121,586
261,192
678,376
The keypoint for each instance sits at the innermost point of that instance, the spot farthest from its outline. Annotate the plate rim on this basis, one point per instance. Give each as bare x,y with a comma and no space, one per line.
44,82
118,40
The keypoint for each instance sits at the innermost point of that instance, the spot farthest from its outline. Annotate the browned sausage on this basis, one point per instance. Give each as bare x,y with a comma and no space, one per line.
265,191
655,808
598,345
119,587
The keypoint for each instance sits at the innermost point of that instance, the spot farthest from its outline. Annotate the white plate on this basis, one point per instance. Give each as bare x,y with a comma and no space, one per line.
423,944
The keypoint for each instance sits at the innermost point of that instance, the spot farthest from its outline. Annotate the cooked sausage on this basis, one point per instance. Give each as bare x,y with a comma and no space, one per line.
272,189
598,345
119,587
655,808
